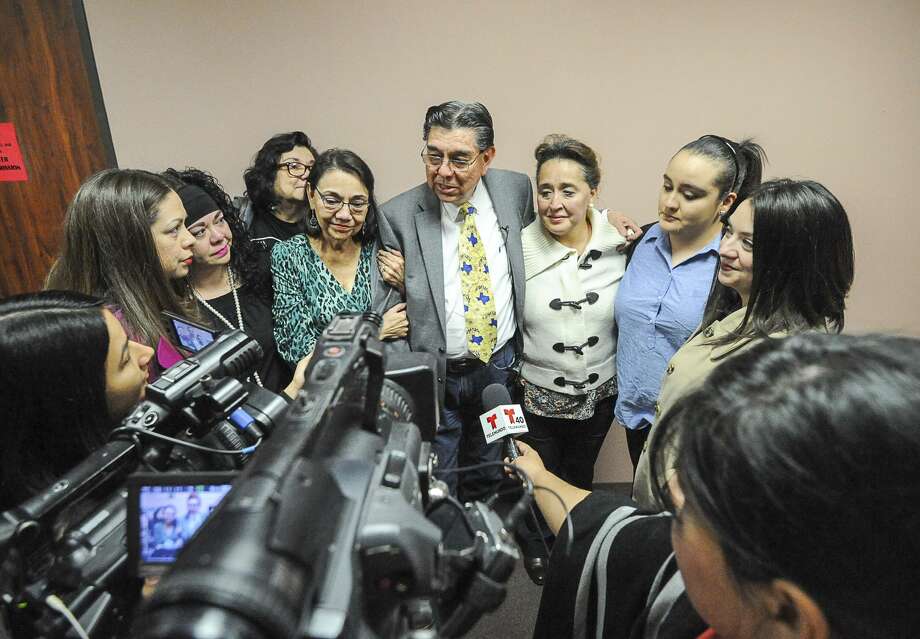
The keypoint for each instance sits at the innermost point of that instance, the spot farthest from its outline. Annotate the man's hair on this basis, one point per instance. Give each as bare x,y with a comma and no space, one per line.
462,115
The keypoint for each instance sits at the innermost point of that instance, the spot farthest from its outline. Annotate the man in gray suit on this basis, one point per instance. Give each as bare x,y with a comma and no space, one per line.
427,225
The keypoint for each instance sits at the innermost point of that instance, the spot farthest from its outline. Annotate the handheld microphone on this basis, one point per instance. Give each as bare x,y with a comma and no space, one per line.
501,418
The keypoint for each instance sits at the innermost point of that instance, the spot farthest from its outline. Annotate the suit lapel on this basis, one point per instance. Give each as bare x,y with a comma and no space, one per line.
428,227
502,202
506,210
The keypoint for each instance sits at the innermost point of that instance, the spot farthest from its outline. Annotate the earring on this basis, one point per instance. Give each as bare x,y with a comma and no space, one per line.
312,222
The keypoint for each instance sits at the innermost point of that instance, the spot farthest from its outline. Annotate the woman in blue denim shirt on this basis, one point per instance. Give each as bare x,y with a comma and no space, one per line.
661,298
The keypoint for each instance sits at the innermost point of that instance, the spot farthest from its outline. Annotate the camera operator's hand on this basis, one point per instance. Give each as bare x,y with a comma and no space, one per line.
299,377
530,462
395,322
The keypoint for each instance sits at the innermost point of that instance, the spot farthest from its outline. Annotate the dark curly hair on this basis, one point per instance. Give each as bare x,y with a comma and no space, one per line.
260,177
243,257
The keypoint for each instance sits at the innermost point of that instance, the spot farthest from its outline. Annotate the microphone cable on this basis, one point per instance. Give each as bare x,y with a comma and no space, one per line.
138,430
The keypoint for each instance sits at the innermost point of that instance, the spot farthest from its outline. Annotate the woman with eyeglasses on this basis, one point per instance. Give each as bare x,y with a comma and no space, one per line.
785,267
671,269
331,268
276,185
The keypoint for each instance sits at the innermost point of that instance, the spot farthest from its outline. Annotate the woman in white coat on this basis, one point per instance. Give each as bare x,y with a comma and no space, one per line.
572,266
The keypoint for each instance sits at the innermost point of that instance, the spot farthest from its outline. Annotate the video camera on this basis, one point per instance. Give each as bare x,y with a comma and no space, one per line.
337,527
67,545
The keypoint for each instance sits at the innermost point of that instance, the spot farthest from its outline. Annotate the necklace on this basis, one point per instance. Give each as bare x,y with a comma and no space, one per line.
239,312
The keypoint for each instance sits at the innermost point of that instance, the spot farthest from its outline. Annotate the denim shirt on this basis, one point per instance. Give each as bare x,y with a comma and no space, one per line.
657,308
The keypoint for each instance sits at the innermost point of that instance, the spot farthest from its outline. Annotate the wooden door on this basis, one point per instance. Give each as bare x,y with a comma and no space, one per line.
49,90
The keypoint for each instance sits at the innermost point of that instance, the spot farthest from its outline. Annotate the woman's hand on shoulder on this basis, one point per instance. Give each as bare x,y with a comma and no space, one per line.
626,226
395,322
392,268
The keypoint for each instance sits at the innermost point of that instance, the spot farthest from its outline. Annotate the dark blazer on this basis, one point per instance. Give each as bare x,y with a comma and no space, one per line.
411,223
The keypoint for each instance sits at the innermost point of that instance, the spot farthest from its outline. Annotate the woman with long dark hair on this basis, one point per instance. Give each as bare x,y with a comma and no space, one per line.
785,266
68,374
125,241
661,298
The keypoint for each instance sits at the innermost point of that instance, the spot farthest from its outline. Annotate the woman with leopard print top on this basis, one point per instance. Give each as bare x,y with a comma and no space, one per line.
330,269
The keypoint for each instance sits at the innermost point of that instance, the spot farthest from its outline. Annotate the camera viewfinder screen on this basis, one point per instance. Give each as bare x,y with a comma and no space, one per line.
191,337
170,515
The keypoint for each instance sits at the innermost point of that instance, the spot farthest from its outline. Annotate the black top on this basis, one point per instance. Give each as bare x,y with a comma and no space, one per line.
267,230
637,554
257,323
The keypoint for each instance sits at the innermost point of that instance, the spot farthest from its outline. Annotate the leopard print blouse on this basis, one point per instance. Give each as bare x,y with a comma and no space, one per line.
307,295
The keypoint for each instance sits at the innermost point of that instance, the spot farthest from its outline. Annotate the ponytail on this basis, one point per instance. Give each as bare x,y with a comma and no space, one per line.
742,164
750,161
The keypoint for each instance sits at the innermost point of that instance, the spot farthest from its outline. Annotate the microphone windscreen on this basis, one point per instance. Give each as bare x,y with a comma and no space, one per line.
494,395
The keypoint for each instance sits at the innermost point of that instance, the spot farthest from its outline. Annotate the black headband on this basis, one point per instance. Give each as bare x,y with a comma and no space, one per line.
197,203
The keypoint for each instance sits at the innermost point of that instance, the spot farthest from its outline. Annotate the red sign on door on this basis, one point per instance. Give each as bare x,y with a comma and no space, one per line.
12,168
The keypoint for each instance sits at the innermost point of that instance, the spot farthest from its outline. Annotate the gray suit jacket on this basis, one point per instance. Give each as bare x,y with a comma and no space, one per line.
411,223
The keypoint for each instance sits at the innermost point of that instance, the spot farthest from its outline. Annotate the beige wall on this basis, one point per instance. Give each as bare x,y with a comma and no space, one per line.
830,89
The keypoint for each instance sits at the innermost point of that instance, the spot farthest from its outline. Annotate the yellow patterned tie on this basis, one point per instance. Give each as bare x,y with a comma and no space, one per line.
476,285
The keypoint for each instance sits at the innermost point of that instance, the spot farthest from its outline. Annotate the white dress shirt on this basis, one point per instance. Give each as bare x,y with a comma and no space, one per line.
493,238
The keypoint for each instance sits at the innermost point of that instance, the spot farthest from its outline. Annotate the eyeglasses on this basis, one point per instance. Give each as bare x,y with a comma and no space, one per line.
334,204
459,165
296,169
